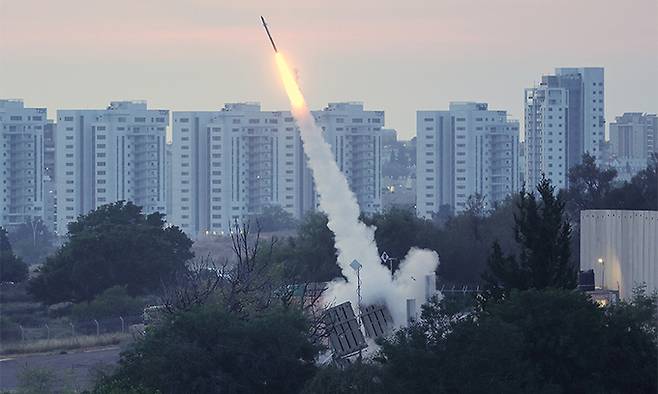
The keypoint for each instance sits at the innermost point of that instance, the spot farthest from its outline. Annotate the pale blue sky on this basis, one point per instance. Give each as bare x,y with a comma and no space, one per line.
395,56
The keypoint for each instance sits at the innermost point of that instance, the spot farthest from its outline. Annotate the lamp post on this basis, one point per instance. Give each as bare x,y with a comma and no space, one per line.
602,262
356,266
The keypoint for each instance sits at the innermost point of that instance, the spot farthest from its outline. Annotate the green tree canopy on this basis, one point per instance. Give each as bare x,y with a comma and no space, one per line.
360,377
398,230
539,341
640,193
113,245
310,256
12,268
543,235
114,301
465,241
589,186
207,350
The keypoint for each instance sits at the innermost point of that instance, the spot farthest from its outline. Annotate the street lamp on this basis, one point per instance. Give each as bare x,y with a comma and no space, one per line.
356,266
602,262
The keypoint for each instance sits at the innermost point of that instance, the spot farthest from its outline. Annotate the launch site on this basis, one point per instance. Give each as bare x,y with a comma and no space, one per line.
347,197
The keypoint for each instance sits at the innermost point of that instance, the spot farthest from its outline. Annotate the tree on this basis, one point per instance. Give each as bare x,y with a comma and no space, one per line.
12,268
631,340
360,377
589,186
476,205
112,302
465,241
443,215
274,218
208,350
311,255
543,235
447,353
113,245
33,241
398,230
539,341
640,193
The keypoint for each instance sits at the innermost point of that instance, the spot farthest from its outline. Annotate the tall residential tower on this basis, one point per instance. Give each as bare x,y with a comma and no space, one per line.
107,155
230,164
564,119
462,152
21,162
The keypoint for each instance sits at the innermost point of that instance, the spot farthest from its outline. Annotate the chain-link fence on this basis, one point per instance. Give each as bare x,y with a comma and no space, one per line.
60,329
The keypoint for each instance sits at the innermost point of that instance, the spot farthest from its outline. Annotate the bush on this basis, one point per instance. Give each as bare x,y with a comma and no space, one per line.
360,377
207,350
45,381
12,268
116,244
36,381
533,341
113,302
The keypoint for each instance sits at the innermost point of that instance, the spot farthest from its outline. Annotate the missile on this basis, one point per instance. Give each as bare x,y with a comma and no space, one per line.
269,35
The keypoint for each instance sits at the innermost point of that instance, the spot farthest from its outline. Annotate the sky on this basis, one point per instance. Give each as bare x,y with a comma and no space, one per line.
396,56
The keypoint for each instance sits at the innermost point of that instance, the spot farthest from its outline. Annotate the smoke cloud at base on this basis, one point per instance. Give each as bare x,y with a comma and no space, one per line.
354,240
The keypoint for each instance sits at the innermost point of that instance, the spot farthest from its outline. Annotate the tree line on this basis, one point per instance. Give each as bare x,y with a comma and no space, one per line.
529,331
244,327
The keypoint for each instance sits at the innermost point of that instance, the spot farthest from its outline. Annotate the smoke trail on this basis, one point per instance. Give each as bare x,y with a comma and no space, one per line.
354,240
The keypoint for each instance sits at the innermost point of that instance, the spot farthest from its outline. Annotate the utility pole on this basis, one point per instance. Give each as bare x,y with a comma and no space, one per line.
356,266
387,259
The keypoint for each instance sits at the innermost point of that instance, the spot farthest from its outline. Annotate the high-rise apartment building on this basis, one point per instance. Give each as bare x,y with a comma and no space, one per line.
230,164
355,138
107,155
564,119
21,162
49,177
545,142
227,164
462,152
633,141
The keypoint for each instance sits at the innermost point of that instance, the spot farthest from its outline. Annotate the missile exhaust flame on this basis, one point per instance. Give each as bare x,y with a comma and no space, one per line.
290,83
354,240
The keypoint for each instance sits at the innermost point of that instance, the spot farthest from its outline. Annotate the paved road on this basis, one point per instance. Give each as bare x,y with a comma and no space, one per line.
73,367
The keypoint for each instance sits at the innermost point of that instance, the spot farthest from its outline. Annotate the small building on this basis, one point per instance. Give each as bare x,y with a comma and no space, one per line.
621,246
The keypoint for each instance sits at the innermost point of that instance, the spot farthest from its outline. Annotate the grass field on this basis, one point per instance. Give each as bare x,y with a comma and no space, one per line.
49,345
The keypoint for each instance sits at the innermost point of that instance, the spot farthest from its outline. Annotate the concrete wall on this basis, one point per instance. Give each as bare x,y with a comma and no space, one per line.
627,241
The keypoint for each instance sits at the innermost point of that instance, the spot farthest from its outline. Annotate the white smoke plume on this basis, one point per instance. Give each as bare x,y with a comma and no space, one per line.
354,240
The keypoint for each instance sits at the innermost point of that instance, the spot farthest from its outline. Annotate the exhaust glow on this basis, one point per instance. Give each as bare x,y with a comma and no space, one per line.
292,89
354,240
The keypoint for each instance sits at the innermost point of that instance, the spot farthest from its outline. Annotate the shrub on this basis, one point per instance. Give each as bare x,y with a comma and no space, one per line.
36,381
12,268
113,302
207,350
